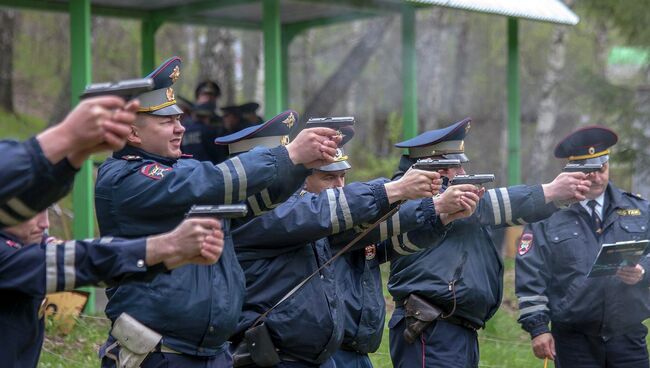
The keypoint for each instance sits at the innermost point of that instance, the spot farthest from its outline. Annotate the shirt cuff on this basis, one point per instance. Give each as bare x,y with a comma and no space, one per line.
381,197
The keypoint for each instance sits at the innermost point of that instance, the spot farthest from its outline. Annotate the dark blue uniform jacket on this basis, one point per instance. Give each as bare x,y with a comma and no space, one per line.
278,250
551,274
29,182
27,273
195,308
467,256
359,277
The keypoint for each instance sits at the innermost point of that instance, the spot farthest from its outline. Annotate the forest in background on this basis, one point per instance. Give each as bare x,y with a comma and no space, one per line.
594,73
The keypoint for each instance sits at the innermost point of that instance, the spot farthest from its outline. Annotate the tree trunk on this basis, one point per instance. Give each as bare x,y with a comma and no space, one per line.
460,90
251,51
217,62
547,110
7,26
335,88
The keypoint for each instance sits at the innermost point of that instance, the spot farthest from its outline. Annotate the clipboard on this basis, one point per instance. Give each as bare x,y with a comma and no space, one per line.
613,256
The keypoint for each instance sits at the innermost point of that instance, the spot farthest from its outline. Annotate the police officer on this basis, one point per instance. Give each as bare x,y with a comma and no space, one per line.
595,322
279,249
444,294
147,187
31,266
358,274
199,136
233,118
207,94
47,163
249,113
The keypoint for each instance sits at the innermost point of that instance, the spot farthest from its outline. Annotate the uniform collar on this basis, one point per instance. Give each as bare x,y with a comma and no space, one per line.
8,239
130,150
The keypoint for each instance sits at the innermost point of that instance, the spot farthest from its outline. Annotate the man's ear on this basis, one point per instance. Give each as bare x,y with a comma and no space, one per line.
133,136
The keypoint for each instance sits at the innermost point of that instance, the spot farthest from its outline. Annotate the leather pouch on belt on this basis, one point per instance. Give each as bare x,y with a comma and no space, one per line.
261,346
135,339
419,314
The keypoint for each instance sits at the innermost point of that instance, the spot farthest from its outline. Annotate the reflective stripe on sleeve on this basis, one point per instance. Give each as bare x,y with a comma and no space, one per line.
496,211
69,269
243,180
345,208
227,183
50,268
334,218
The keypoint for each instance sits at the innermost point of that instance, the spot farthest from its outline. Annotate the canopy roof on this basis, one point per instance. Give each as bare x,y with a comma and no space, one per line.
248,13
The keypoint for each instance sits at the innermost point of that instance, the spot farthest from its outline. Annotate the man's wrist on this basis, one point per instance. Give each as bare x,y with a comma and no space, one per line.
393,191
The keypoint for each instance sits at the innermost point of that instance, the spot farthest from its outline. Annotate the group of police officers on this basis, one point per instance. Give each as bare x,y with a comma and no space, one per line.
296,282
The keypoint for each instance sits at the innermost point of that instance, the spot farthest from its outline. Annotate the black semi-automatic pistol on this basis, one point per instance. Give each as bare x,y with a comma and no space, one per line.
585,168
126,88
331,122
222,211
428,164
476,179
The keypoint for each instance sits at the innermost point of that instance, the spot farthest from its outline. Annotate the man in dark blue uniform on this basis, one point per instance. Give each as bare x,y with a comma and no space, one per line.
596,322
443,295
39,171
147,188
281,248
31,266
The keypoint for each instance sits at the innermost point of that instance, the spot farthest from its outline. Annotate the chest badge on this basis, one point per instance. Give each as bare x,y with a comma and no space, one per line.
371,252
526,243
155,171
629,212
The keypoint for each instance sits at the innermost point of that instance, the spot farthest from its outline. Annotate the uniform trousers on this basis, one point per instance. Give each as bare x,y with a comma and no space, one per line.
351,359
441,345
174,360
577,350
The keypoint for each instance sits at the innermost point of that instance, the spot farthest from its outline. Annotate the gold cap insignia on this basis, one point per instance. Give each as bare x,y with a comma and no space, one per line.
467,127
462,146
592,150
285,140
170,94
176,73
289,121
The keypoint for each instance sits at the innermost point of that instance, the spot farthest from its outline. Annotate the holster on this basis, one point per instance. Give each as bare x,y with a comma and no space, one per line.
256,348
419,315
136,341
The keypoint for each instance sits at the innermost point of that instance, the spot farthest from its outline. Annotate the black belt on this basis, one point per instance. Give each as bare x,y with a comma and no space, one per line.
454,320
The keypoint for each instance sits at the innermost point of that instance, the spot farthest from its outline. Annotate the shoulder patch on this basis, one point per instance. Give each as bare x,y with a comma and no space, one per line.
155,171
525,244
371,252
131,158
13,244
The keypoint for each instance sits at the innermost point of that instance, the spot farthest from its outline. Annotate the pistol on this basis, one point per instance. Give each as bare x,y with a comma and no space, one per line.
476,179
221,211
126,88
331,122
428,164
585,168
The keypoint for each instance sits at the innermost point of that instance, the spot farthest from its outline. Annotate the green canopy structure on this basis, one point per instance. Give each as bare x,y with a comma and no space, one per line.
281,21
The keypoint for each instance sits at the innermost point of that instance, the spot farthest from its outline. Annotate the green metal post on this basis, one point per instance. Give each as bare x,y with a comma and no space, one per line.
148,29
272,58
514,121
82,194
409,74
